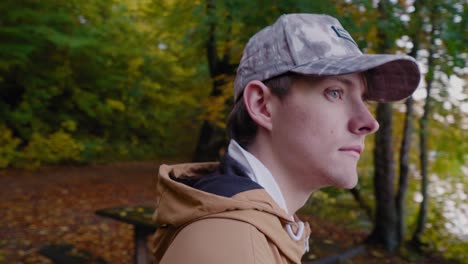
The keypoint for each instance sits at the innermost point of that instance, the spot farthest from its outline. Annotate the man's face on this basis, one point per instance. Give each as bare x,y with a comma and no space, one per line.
318,130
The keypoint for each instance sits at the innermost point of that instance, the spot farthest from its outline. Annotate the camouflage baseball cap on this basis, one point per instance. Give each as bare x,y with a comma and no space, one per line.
319,45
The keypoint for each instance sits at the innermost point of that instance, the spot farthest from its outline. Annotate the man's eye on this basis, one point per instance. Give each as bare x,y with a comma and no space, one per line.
334,93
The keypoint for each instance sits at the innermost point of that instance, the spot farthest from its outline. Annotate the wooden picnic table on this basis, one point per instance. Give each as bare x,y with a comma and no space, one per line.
140,218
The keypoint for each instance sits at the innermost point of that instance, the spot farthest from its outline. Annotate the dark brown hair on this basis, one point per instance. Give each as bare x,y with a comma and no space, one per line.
240,125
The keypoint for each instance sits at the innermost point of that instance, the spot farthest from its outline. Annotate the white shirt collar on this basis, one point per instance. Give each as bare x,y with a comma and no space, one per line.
257,172
261,175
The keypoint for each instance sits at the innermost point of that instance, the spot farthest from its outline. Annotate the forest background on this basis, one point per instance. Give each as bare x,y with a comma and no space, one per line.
101,81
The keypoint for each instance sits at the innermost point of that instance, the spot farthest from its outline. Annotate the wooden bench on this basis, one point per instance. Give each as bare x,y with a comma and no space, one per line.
140,218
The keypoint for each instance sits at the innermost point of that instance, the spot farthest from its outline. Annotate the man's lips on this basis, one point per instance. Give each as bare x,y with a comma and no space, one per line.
352,149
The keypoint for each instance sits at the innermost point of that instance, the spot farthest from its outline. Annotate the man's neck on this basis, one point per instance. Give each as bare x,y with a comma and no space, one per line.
295,194
257,171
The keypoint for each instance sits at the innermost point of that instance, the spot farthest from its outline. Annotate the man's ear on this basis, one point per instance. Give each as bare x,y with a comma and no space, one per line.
257,99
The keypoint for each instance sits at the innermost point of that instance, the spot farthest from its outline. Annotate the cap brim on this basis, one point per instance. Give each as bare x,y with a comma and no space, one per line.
391,77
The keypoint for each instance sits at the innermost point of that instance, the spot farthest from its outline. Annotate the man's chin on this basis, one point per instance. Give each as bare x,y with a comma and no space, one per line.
351,186
348,183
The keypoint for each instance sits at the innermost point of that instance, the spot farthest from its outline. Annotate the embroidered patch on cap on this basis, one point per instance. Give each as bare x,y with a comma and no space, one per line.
342,33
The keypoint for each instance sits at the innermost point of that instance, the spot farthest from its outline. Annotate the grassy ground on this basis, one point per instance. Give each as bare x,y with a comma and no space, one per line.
56,205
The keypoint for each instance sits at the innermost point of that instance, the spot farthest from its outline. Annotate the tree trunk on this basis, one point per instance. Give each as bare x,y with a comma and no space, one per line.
414,28
384,232
404,171
405,147
212,138
210,143
422,215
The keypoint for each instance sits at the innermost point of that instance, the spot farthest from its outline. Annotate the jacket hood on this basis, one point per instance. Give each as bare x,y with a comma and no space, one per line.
179,204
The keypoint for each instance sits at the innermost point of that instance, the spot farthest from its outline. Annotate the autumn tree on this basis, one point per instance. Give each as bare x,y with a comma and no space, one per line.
96,75
406,142
384,231
443,58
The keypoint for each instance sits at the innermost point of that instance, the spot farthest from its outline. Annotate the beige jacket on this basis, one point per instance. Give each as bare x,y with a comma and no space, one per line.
202,227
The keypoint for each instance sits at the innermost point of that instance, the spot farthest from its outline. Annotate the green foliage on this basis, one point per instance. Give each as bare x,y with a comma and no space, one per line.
92,149
99,72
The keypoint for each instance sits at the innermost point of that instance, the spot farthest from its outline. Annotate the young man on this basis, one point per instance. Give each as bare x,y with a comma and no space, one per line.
298,125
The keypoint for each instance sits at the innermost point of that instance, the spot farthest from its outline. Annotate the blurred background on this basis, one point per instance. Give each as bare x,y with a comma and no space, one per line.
94,95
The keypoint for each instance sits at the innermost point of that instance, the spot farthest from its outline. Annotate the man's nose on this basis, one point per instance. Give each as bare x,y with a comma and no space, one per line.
362,122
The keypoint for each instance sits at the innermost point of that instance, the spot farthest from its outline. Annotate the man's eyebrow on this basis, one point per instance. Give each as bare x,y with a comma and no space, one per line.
342,80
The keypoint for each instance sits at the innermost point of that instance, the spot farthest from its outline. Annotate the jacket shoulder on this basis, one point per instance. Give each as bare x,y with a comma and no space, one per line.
219,240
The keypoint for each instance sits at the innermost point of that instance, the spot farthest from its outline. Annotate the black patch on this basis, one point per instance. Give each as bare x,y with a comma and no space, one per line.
342,33
229,180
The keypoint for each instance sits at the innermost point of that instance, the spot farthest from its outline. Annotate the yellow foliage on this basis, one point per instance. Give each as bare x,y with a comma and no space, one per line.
115,105
69,125
8,144
373,39
153,86
216,106
134,66
55,148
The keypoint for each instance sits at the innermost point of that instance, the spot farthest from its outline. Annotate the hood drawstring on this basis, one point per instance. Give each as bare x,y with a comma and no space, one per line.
300,231
298,235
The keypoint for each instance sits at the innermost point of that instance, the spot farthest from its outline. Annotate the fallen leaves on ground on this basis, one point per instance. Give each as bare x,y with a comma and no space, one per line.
57,205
